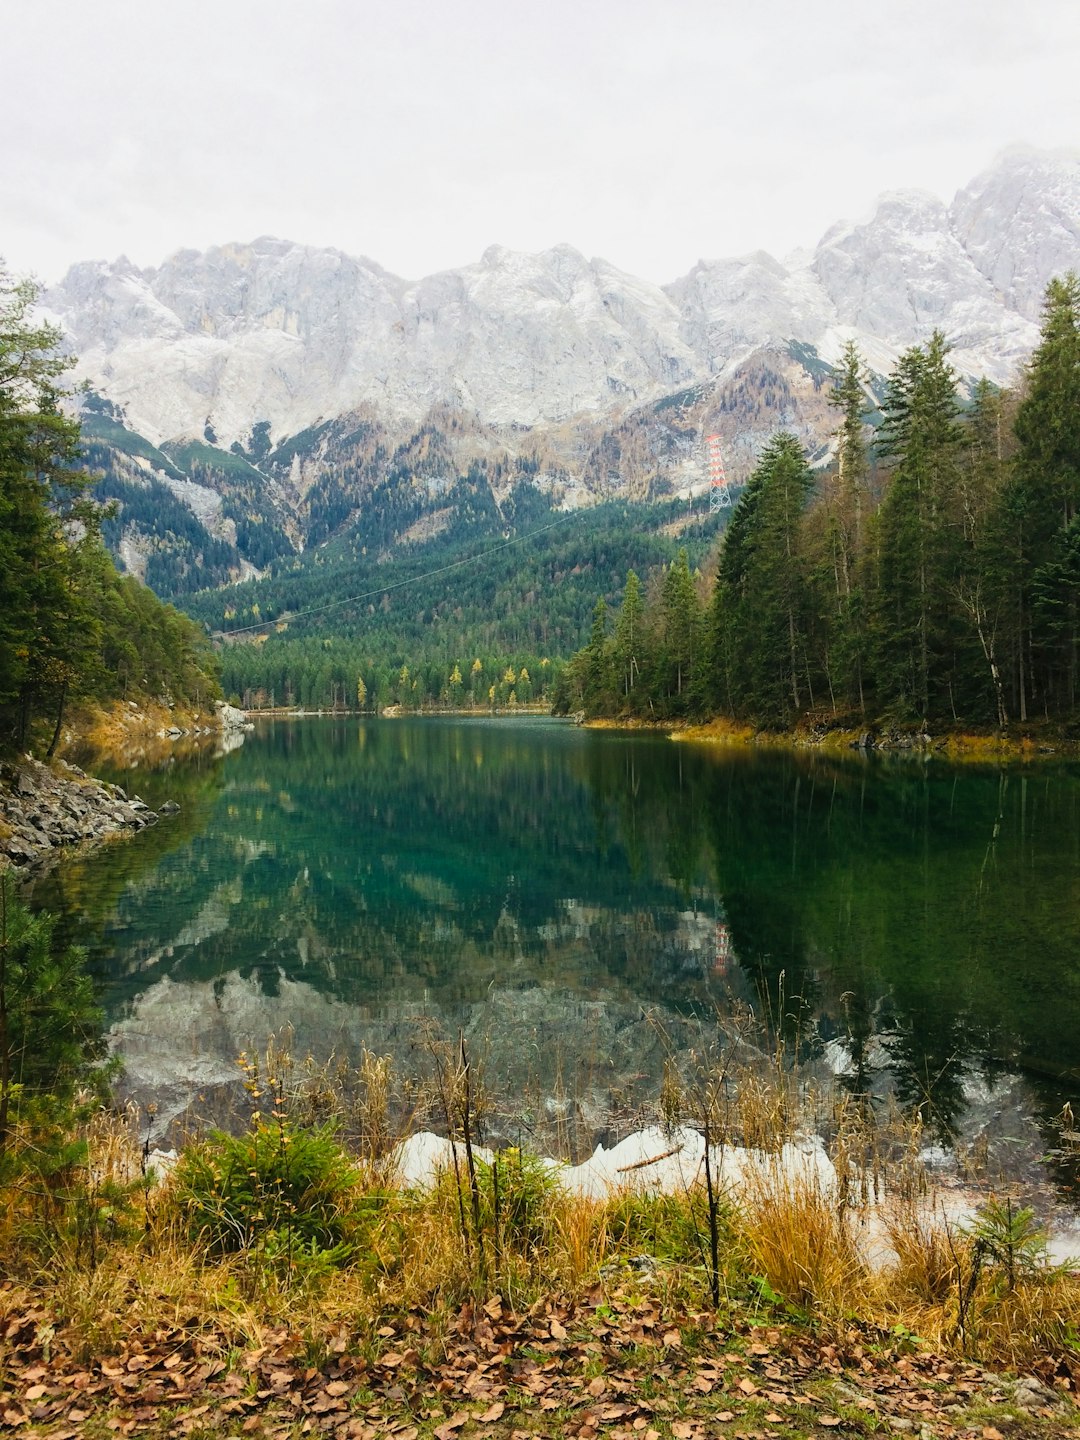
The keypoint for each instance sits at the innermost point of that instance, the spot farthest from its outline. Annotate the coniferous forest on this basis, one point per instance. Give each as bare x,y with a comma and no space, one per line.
71,628
929,577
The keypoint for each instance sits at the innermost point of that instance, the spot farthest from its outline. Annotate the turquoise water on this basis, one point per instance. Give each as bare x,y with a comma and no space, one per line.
570,895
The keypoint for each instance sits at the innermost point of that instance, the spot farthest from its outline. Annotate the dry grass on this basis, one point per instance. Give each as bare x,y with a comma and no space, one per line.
109,1253
118,732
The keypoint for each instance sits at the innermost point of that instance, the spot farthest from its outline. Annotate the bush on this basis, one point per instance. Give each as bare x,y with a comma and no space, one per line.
292,1191
516,1191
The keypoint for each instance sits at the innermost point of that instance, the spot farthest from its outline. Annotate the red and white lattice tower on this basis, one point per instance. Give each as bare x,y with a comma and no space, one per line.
719,486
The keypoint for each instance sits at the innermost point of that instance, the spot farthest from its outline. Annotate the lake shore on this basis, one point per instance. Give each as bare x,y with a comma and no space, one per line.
565,1310
47,809
1021,744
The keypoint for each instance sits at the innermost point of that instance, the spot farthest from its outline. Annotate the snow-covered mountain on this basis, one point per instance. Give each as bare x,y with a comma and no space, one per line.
286,334
258,399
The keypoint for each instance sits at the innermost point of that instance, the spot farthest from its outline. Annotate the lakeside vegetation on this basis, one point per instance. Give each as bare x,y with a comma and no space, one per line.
790,1299
71,629
929,579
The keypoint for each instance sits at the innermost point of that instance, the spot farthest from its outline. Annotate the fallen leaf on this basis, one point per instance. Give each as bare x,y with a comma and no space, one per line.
455,1422
747,1386
493,1413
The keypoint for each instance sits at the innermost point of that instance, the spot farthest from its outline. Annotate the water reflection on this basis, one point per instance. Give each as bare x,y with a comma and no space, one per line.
566,895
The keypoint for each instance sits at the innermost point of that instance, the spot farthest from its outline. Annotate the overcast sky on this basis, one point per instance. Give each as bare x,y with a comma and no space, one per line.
418,132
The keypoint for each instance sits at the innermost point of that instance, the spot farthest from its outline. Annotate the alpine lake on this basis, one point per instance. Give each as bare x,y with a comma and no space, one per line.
586,907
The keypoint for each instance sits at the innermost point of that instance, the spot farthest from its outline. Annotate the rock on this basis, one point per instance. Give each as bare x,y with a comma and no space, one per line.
233,719
169,808
1030,1395
45,808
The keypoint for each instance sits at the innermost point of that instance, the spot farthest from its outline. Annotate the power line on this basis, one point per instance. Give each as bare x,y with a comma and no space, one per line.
395,585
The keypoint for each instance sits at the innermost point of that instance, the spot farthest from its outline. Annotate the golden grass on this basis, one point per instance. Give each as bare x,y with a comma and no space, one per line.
116,731
788,1239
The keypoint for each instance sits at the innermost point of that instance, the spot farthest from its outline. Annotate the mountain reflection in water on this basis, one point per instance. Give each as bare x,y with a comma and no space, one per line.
582,902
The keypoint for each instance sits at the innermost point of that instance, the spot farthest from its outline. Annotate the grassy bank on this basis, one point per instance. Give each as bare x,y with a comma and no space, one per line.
952,745
283,1282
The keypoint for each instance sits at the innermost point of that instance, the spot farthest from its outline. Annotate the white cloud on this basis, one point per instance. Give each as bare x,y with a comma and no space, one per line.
418,132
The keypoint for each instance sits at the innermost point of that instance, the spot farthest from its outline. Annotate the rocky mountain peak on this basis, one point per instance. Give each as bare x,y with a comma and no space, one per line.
282,335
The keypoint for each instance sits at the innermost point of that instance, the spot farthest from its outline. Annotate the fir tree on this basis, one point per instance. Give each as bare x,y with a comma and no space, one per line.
916,550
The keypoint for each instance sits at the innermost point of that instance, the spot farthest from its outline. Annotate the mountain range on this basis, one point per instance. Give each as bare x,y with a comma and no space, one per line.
270,387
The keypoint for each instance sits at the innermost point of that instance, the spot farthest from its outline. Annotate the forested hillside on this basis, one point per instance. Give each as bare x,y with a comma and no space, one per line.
931,576
483,612
70,627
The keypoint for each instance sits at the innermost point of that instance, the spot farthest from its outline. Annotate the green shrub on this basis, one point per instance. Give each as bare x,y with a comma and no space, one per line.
293,1192
524,1186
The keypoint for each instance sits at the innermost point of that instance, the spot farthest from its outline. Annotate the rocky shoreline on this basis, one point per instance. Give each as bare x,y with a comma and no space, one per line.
43,808
47,808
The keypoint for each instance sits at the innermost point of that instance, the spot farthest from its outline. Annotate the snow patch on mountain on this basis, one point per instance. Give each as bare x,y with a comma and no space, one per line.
293,335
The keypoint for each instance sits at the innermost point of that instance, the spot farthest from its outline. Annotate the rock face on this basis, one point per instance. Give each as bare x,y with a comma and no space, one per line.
43,809
232,720
286,335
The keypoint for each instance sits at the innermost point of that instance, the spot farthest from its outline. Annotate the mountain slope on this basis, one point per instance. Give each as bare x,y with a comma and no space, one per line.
291,336
253,400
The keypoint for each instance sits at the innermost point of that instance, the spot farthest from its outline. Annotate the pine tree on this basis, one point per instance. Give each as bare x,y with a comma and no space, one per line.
846,507
758,618
629,635
44,624
916,539
1044,500
680,632
597,688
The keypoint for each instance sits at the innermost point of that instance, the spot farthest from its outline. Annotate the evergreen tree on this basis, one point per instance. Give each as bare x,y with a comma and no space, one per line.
680,633
917,544
629,635
983,559
597,687
1043,501
758,621
836,547
43,622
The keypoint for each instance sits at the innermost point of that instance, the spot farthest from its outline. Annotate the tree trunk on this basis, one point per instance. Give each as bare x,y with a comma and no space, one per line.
59,722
